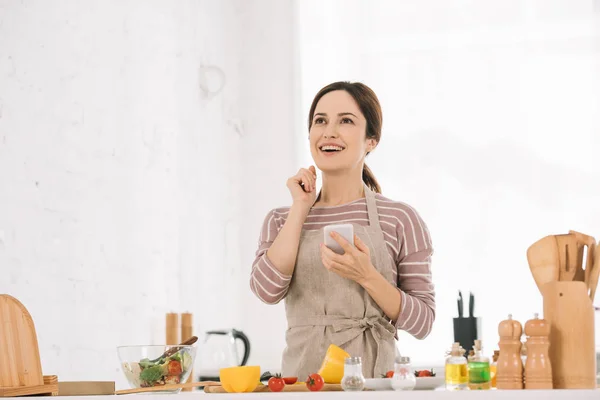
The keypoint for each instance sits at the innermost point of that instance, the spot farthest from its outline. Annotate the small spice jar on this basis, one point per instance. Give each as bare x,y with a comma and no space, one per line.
353,379
404,378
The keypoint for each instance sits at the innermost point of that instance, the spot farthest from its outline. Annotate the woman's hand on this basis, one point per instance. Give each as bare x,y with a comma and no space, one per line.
354,264
302,187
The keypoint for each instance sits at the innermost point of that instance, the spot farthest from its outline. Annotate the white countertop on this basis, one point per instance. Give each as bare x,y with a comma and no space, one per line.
418,394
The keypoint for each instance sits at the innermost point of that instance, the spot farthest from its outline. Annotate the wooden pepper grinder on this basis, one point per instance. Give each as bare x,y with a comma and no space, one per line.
509,370
538,371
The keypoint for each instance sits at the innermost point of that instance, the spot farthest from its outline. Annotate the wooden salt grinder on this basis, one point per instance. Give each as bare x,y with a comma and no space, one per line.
538,370
509,369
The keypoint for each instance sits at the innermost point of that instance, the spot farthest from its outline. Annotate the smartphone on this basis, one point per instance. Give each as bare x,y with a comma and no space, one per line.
344,230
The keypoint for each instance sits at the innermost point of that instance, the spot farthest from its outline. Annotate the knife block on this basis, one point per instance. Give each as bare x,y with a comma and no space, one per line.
466,331
20,365
570,313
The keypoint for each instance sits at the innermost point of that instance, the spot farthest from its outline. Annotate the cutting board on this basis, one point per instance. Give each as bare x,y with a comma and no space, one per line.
20,365
301,387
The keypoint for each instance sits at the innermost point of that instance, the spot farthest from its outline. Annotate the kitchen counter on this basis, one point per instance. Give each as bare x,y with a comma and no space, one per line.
383,395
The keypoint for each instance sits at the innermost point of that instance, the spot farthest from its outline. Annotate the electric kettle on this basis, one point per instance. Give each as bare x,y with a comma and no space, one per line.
219,349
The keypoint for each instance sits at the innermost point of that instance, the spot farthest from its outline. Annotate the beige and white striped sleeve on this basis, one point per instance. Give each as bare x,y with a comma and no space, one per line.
266,281
417,311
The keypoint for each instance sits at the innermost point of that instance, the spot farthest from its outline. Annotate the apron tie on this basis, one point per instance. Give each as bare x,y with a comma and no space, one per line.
347,329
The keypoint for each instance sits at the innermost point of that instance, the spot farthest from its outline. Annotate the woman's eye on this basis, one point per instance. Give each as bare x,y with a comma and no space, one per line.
319,121
347,121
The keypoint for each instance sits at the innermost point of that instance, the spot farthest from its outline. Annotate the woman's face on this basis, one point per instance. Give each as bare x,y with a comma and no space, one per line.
338,133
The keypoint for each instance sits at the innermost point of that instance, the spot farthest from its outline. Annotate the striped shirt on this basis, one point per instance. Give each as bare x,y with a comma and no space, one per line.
408,243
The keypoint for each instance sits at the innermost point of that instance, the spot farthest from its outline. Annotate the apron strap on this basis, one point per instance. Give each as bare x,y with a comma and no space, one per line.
372,209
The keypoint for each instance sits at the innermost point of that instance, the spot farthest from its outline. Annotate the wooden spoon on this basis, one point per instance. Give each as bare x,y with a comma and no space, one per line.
168,387
176,348
543,261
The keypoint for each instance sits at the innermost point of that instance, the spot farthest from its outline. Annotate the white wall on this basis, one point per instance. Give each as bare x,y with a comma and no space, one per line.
125,191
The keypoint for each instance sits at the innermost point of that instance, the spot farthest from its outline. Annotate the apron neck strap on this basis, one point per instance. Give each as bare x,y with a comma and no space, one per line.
371,207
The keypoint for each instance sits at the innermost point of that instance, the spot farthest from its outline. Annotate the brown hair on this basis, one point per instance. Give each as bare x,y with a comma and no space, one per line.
369,105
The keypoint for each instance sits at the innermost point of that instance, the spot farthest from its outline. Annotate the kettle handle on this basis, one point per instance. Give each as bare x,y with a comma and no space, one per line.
242,336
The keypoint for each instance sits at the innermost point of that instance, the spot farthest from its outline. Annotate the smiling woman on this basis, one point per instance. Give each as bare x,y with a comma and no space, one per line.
382,282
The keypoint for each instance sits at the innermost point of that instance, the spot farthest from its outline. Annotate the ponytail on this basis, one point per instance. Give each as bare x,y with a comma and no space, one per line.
369,179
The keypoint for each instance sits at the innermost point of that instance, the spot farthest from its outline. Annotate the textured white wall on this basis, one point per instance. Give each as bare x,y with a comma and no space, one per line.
125,191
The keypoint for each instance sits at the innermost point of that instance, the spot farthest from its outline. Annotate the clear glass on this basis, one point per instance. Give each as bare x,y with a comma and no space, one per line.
404,377
353,380
147,366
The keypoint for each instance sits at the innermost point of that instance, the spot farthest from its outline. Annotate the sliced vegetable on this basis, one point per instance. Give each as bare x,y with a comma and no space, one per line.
290,380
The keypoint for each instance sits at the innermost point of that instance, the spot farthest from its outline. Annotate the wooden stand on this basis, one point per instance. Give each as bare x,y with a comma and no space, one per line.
20,365
570,314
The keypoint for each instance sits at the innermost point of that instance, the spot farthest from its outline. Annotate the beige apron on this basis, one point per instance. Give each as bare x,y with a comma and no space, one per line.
323,308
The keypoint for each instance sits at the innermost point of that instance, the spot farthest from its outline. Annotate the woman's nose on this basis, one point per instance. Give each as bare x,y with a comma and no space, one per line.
331,131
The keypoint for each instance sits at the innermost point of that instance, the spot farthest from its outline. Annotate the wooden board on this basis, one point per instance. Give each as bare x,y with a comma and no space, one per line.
86,388
20,366
300,387
50,387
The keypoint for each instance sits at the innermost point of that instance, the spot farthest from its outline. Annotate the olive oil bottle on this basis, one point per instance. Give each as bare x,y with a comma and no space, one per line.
456,369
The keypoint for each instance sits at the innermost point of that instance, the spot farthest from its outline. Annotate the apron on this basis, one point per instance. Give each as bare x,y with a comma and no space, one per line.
323,308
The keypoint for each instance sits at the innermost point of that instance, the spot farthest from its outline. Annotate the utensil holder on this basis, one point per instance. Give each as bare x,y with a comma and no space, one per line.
569,310
466,331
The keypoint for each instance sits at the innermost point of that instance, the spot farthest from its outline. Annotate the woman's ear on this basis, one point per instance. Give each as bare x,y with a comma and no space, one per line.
371,145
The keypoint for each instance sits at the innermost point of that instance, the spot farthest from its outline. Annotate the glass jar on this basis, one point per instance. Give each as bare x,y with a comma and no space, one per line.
353,379
404,377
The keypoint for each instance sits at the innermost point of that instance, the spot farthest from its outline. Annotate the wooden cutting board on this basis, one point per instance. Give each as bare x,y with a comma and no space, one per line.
300,387
20,369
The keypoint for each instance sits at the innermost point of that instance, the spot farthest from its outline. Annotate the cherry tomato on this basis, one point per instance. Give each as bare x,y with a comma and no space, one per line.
389,374
314,383
290,380
276,384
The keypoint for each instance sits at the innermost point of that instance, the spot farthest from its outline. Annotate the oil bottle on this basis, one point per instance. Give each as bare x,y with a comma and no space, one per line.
479,369
493,368
456,369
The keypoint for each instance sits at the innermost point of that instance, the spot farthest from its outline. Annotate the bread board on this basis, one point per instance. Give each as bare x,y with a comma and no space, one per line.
20,365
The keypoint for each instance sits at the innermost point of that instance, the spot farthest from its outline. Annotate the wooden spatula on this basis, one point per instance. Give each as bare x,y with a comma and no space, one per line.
590,243
543,260
592,281
568,255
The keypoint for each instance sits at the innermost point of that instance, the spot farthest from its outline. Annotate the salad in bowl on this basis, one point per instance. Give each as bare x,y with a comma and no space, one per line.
158,365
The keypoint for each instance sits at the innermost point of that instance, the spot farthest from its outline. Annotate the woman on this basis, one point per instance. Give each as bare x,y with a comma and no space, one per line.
383,283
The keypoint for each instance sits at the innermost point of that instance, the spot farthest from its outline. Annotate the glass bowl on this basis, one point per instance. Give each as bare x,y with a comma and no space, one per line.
147,366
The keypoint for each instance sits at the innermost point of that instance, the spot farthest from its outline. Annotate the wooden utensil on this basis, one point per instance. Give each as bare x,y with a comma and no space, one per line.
569,257
299,387
590,243
176,348
543,258
20,365
592,282
169,387
569,311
